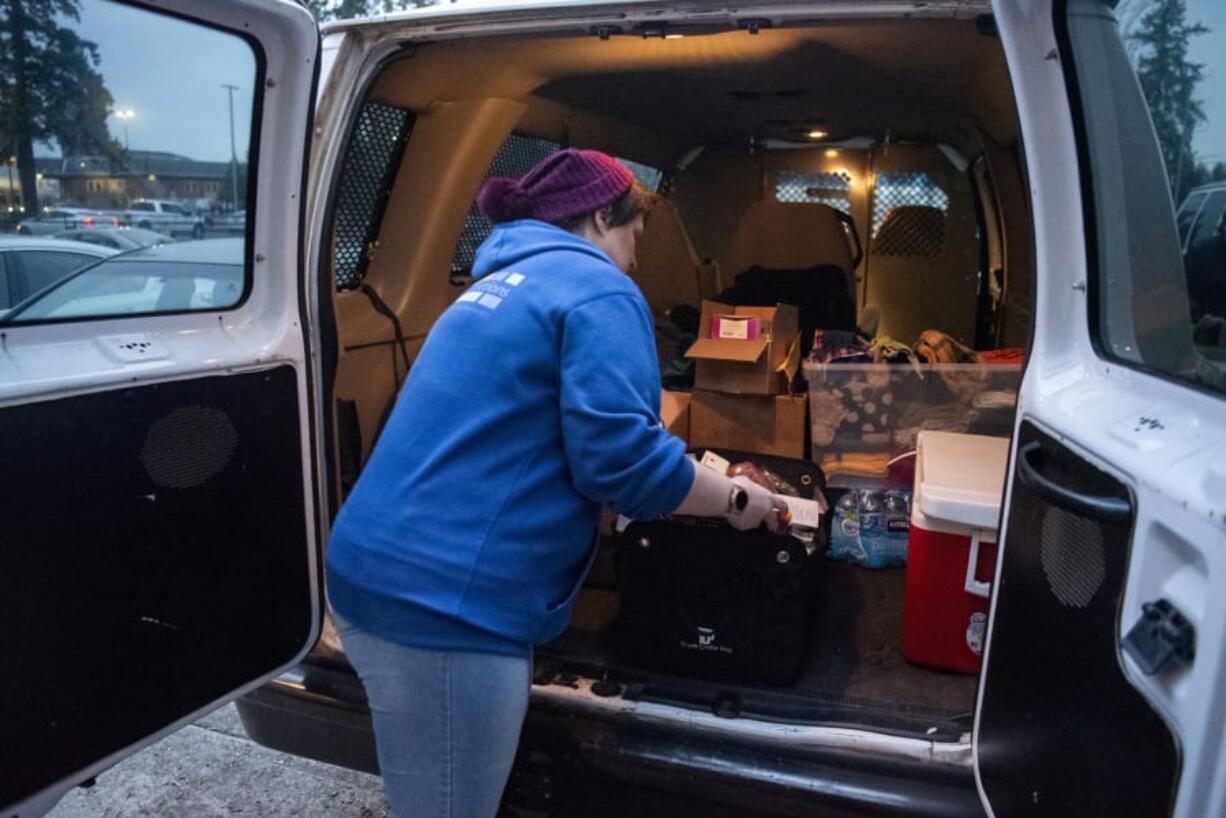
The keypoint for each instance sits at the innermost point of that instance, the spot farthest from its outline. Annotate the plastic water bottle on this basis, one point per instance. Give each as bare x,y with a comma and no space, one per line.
872,525
897,523
845,533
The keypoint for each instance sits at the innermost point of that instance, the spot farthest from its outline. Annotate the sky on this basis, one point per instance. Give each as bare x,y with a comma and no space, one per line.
169,73
1209,142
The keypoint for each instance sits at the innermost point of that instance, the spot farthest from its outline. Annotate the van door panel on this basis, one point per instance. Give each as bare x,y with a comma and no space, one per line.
1055,689
1117,512
153,560
159,547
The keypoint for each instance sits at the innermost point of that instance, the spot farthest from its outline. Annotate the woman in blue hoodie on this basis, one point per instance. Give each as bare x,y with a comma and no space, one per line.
534,400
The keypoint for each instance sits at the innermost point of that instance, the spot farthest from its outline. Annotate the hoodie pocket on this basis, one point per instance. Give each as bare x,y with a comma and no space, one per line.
557,616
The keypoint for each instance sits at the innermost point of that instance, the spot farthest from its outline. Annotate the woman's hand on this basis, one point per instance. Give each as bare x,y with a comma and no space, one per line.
756,507
742,502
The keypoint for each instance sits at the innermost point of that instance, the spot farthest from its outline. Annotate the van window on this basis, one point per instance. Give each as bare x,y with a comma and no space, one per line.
515,158
42,268
142,130
908,195
814,187
1205,234
646,175
371,163
6,300
1187,212
1145,145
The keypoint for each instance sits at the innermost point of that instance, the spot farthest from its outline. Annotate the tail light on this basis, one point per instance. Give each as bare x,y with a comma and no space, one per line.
88,221
114,221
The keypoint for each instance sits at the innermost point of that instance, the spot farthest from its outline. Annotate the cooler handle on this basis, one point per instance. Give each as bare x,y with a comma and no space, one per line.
972,585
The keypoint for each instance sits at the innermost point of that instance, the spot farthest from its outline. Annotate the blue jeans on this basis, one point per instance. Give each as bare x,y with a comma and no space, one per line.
446,723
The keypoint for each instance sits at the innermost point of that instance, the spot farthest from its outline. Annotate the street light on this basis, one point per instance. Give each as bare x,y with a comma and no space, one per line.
233,153
123,115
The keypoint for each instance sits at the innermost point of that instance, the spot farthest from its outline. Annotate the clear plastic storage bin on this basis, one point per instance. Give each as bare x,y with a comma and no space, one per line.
863,416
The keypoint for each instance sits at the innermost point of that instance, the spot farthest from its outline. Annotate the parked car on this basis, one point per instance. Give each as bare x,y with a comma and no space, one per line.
171,218
30,265
57,219
1199,215
117,238
1202,233
172,467
154,279
232,222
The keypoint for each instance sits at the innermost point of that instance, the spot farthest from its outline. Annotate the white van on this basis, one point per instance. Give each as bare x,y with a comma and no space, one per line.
170,476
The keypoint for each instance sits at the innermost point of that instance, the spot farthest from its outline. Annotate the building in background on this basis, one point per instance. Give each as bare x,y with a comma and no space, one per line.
104,183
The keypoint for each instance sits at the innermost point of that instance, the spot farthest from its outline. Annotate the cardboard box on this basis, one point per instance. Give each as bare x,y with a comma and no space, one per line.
675,413
768,424
758,366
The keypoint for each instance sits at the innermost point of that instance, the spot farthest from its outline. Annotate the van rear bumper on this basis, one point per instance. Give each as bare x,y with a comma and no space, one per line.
580,761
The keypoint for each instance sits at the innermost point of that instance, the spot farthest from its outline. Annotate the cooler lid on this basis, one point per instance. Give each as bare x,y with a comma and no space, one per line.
961,478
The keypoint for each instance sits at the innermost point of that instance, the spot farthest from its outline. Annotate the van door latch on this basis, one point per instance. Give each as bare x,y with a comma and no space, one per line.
1162,637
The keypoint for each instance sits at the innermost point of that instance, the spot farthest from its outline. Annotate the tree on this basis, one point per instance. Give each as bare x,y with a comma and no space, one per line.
1169,79
49,86
1128,13
325,10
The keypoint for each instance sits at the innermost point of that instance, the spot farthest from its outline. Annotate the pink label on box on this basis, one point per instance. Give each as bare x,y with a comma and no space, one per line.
734,327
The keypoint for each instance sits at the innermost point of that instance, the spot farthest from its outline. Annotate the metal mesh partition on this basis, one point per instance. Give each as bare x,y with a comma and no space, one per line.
909,211
371,161
808,187
515,157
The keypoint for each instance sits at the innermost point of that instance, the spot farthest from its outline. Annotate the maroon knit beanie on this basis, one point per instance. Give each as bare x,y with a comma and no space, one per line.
566,183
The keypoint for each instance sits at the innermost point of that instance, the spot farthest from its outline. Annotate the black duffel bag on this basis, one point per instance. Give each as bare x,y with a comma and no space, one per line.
700,598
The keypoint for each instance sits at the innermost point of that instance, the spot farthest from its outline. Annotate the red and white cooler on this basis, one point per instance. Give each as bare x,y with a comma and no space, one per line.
951,550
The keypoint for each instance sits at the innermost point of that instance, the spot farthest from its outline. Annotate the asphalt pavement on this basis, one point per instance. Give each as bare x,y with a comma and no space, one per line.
211,769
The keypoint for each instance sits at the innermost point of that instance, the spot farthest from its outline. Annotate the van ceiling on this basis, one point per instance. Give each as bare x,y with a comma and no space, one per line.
919,80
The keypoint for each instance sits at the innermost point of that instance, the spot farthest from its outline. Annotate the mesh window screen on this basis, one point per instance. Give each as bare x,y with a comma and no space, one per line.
517,155
371,162
909,212
807,187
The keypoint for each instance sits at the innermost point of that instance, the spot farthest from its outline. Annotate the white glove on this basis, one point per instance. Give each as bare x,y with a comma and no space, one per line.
714,495
758,506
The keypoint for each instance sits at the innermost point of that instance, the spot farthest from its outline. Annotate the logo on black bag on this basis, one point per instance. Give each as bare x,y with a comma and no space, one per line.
705,642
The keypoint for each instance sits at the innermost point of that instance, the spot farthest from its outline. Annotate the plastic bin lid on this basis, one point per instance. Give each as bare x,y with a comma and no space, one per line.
960,478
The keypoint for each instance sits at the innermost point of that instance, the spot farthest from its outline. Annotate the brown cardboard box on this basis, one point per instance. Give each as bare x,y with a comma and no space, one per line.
768,424
750,367
675,412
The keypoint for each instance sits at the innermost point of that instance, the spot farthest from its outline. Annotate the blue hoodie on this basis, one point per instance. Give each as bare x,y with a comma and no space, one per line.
534,400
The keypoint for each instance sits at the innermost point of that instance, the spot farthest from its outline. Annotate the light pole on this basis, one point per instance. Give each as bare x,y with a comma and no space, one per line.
123,115
233,153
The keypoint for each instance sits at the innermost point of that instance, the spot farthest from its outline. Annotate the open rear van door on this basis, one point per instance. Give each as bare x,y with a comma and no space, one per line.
1102,691
158,554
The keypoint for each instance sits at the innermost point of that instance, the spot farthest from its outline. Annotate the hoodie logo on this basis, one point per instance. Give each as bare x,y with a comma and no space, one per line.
491,290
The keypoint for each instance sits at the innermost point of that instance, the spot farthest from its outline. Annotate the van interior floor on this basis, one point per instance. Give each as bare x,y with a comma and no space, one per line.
854,675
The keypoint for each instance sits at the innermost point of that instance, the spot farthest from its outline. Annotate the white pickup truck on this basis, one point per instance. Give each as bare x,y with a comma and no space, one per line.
169,217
